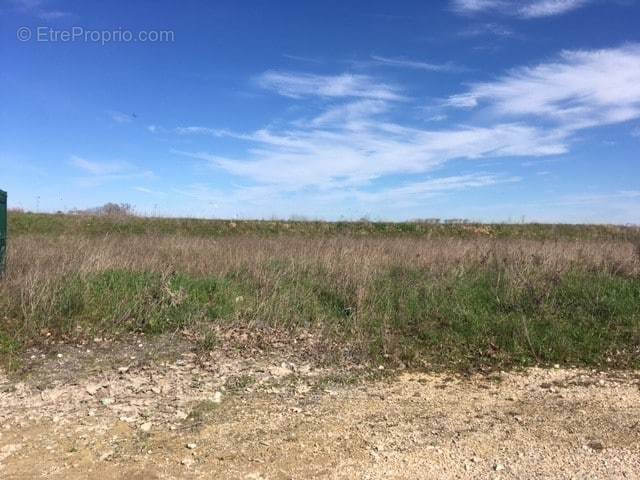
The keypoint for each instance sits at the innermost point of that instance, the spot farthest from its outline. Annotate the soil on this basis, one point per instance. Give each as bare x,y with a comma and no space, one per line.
156,410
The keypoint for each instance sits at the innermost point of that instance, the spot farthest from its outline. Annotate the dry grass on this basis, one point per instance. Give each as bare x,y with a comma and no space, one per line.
405,297
37,259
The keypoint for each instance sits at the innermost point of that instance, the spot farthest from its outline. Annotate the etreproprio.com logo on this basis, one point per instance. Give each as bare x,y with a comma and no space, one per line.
80,34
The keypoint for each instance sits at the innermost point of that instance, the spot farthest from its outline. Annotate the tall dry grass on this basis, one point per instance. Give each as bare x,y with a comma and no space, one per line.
48,258
402,295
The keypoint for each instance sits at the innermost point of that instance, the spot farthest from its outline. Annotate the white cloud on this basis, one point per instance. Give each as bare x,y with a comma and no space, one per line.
100,168
475,6
547,8
416,65
39,9
406,200
299,85
302,58
341,156
345,153
351,113
415,191
522,9
487,29
149,191
215,132
100,172
579,89
120,117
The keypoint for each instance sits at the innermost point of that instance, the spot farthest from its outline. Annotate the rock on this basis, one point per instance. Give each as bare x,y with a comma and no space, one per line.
596,445
191,446
217,397
280,371
122,370
106,401
106,455
557,365
93,389
180,415
146,427
9,450
381,367
187,462
498,467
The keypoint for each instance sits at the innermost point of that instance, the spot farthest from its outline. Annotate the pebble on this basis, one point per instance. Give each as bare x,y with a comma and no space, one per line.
146,427
596,445
180,415
280,371
106,455
217,397
191,446
92,389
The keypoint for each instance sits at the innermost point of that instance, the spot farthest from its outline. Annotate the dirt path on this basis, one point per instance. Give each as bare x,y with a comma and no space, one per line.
277,417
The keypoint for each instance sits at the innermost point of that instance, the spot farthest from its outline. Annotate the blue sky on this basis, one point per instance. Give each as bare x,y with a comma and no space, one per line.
493,110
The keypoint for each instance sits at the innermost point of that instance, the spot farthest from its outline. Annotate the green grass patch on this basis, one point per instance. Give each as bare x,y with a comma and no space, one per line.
100,225
467,318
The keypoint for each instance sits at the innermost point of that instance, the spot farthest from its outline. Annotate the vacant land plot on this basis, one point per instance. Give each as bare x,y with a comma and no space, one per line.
413,294
179,348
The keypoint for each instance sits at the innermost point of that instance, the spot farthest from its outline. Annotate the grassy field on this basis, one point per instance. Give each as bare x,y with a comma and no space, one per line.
424,294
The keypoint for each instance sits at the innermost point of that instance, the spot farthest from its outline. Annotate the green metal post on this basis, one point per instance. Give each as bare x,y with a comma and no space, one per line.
3,230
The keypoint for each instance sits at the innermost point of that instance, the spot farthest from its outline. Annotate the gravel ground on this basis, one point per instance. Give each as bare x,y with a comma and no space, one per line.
118,411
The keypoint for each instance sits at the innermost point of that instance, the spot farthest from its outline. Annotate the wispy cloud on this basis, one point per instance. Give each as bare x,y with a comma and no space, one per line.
100,168
302,58
149,191
299,85
39,9
351,113
97,172
487,29
475,6
577,90
522,9
416,64
349,146
547,8
341,156
417,191
400,201
120,117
